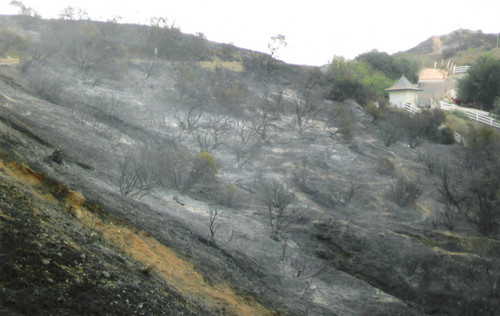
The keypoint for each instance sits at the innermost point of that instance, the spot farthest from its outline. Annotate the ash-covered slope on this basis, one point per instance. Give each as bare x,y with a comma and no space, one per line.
78,202
154,148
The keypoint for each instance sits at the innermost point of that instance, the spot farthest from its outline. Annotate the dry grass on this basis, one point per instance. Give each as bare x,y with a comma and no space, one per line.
9,61
423,209
180,273
446,242
474,244
466,56
22,173
229,65
74,204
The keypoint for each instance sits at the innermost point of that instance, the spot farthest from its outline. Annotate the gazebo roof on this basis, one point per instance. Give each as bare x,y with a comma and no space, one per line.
403,84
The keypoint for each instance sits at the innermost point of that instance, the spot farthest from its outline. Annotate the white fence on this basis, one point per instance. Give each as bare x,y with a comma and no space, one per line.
460,69
407,106
476,116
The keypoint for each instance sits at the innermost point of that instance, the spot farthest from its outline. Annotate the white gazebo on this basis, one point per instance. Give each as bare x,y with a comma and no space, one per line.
403,92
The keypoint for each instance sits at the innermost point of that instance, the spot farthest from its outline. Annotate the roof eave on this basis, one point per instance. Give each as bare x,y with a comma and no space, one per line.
403,89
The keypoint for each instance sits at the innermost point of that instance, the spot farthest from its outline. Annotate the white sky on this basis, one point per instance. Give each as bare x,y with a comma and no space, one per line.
315,30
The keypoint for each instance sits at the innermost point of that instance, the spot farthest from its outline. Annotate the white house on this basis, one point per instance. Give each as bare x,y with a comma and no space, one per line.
403,92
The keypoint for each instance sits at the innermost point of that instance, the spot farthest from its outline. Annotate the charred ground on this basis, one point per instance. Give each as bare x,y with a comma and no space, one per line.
76,240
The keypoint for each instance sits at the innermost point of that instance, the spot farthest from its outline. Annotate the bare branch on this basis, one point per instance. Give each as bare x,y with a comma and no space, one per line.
279,215
213,213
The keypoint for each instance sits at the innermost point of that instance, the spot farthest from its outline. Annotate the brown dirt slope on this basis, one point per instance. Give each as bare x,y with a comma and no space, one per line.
52,264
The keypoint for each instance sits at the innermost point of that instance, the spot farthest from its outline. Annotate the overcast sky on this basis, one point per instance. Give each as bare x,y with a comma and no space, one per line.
315,30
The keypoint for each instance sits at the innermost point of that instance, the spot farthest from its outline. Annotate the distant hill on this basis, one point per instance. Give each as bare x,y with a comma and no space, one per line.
460,46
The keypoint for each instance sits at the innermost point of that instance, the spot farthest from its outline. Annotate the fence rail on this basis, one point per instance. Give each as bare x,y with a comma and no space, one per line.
478,117
407,106
460,69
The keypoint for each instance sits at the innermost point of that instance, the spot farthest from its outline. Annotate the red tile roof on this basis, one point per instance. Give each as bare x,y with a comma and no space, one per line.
432,74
